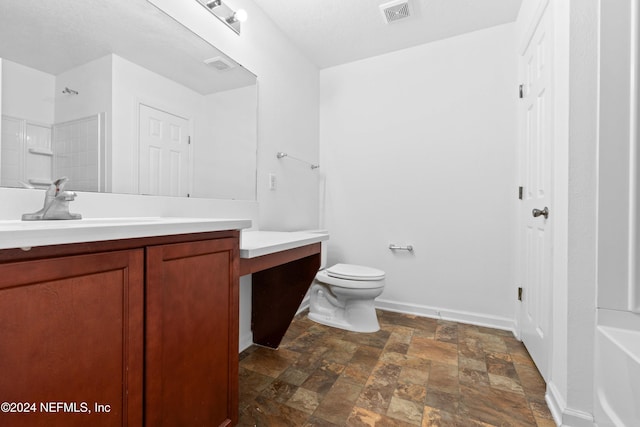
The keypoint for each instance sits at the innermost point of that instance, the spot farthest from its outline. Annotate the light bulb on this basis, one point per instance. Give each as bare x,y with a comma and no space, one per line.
241,15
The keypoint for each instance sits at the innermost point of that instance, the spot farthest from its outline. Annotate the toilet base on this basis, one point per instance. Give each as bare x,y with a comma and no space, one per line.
353,315
342,324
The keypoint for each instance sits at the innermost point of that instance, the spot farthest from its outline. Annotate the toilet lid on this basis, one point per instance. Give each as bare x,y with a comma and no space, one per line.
355,272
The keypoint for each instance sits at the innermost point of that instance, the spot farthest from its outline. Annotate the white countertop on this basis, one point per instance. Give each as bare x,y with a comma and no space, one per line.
27,234
258,243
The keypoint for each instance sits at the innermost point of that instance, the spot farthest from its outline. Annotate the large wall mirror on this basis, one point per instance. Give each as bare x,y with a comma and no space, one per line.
119,97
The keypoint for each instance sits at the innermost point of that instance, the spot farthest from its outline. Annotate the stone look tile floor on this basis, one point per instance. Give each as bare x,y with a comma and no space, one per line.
414,372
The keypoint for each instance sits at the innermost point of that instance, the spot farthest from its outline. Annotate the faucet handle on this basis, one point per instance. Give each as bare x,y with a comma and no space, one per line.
67,196
60,182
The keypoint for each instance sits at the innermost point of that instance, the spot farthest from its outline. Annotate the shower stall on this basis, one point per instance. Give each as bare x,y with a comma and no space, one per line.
617,337
33,154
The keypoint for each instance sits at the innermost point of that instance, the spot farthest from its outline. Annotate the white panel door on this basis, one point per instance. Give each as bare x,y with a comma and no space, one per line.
536,213
164,153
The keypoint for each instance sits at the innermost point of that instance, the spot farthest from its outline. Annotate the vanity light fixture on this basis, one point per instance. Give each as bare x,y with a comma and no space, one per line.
231,18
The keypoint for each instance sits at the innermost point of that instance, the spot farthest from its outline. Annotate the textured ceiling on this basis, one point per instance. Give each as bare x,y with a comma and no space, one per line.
55,36
333,32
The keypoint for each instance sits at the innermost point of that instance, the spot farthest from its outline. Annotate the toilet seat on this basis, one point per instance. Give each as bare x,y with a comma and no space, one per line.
355,272
350,276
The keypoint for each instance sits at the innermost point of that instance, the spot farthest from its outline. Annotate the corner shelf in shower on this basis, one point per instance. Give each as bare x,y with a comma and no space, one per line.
40,182
41,151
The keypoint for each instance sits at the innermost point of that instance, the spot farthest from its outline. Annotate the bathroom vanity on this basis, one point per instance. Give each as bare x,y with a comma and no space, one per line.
119,322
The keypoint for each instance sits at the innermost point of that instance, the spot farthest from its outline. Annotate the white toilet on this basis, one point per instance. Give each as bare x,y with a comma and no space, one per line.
343,296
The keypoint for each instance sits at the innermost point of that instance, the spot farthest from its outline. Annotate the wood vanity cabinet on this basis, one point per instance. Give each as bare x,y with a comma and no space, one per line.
129,332
191,359
71,331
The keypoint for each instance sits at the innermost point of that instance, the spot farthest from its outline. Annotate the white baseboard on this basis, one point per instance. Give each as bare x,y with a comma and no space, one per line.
575,418
478,319
562,415
555,402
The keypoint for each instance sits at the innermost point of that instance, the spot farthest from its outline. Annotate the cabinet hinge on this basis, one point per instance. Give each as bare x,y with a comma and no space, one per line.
520,192
519,293
521,91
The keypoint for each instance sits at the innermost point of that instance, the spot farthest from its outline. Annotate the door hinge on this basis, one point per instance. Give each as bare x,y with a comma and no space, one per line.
521,91
519,293
189,140
520,192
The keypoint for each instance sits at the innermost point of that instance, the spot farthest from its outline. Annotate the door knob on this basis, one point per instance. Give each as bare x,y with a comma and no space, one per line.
544,212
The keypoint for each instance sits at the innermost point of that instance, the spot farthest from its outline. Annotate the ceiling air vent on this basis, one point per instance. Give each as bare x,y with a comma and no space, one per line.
395,10
219,63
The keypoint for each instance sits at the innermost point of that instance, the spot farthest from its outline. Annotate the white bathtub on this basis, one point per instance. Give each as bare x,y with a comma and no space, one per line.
617,376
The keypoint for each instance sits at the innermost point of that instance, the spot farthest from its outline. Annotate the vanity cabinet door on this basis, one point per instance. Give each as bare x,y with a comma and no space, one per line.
191,337
71,331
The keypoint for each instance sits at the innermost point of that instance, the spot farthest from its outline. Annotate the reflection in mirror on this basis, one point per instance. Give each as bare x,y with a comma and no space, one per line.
119,97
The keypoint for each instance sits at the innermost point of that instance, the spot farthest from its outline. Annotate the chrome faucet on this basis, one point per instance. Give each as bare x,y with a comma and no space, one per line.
56,203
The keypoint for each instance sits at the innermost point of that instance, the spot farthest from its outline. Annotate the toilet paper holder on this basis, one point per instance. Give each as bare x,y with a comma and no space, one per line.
395,247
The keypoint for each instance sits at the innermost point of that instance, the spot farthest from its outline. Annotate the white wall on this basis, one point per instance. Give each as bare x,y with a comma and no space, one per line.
93,82
616,215
418,147
560,333
133,84
27,93
225,156
582,215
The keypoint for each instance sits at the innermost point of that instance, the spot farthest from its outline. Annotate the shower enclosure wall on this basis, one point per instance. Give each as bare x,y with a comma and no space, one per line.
33,154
